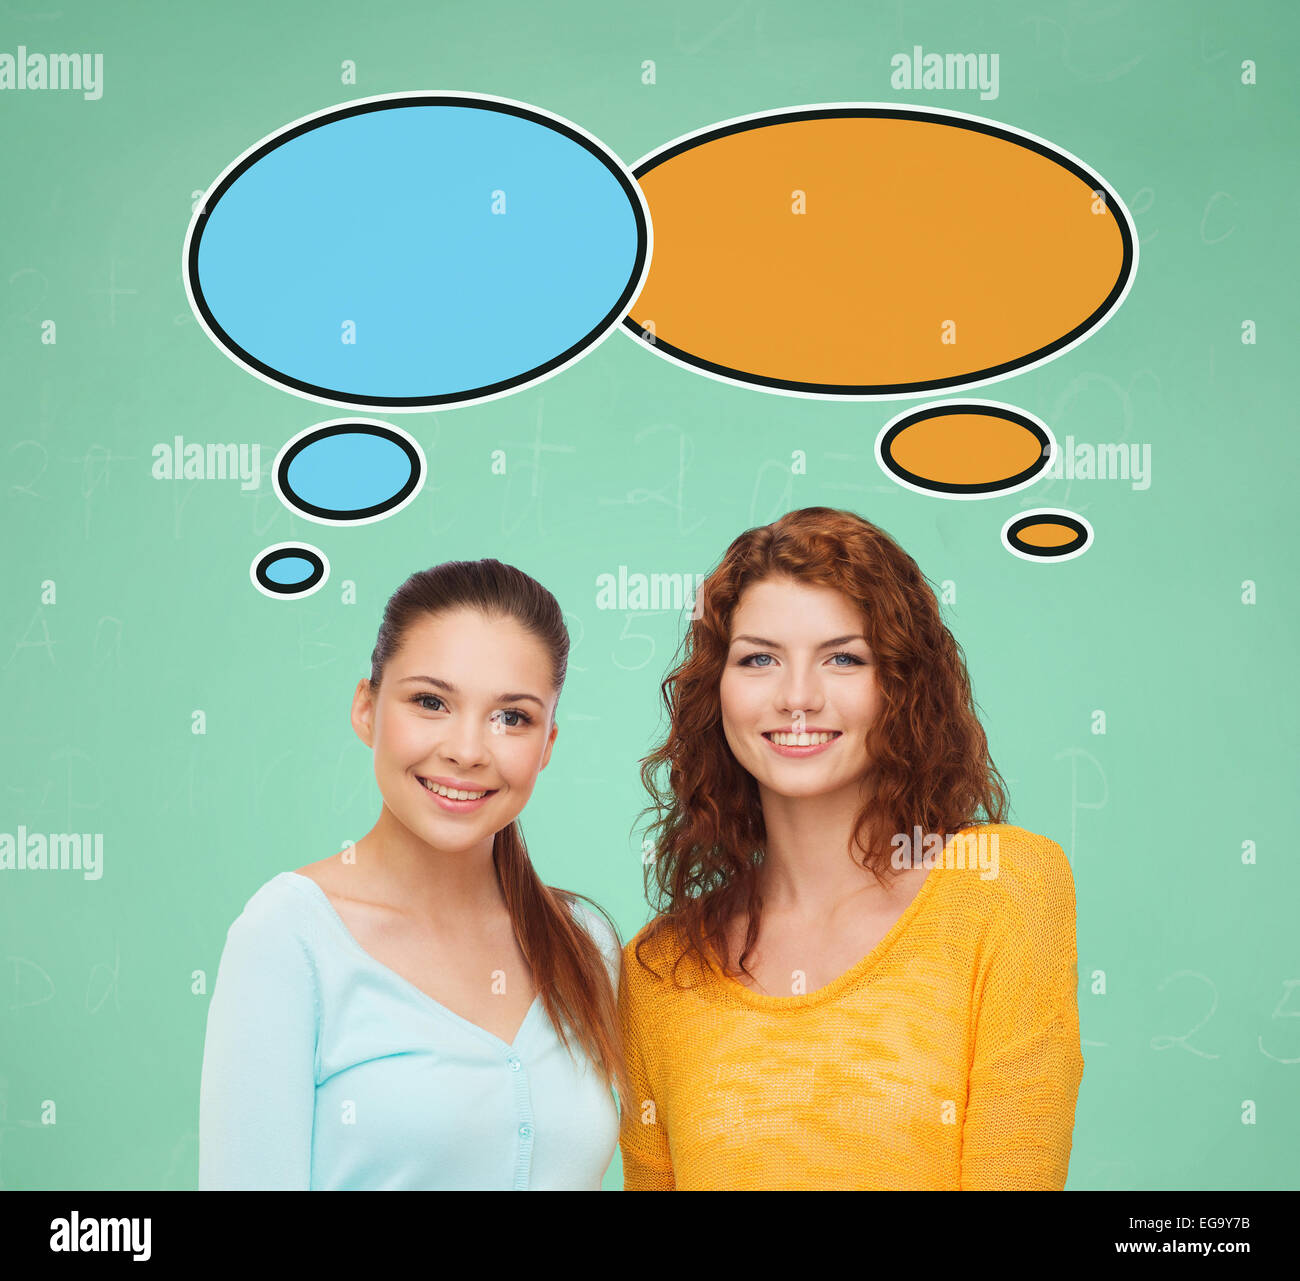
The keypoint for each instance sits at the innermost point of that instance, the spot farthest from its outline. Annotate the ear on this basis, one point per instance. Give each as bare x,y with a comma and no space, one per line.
550,742
363,713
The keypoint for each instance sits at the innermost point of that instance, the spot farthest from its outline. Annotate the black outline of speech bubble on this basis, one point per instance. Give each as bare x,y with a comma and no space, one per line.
390,101
282,551
347,427
986,408
897,111
1068,551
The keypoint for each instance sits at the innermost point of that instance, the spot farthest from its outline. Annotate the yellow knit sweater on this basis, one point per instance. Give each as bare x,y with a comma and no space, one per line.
947,1058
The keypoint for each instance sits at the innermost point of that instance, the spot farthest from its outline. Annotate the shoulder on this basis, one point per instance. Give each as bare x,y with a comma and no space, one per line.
600,929
278,913
273,958
647,942
1026,876
1024,865
652,939
285,893
657,958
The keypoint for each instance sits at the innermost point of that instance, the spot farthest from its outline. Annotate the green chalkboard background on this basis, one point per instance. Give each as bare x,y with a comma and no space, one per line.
1192,1050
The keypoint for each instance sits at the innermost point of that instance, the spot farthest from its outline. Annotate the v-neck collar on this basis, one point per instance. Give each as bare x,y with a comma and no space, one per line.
318,896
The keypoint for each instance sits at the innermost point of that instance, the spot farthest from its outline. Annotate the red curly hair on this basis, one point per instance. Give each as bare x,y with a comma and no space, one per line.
928,750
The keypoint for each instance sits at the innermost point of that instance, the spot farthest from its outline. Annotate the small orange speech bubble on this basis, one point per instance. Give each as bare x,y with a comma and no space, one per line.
1047,533
965,448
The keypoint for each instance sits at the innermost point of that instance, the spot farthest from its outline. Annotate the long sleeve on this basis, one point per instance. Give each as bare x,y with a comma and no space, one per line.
643,1138
1027,1060
257,1095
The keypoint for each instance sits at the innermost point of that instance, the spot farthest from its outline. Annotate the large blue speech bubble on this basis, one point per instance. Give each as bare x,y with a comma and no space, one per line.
417,249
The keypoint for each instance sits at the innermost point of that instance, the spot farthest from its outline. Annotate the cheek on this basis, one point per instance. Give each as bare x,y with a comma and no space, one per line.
517,760
739,711
865,702
739,700
398,738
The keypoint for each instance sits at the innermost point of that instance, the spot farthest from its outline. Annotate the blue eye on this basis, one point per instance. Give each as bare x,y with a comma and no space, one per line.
854,660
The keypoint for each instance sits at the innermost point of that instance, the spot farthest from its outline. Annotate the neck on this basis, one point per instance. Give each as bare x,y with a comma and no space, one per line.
810,864
401,869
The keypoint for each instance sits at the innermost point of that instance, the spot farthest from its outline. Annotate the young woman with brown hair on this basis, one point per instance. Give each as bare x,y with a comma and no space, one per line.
421,1011
860,976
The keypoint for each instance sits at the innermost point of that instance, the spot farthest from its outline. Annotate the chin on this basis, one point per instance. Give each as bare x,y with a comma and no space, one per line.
450,839
805,790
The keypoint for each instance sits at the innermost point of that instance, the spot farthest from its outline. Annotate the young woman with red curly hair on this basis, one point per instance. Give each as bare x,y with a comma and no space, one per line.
860,976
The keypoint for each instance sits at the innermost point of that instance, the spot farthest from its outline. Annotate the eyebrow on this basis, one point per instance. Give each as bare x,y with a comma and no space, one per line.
451,689
771,644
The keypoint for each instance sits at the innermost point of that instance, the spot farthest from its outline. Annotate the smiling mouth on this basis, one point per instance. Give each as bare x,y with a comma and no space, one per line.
801,740
455,793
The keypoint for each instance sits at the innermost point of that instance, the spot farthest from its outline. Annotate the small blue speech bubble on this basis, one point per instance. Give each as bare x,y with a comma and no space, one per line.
349,471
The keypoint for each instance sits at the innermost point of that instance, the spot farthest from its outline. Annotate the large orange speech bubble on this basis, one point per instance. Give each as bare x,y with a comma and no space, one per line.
875,250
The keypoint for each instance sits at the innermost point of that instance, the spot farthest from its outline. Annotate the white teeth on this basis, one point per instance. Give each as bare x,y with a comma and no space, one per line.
454,793
800,740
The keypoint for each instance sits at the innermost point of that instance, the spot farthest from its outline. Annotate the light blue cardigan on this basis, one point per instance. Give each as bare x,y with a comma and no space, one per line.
325,1069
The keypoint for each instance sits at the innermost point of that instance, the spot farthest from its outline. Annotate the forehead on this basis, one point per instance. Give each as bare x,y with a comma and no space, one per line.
787,606
469,648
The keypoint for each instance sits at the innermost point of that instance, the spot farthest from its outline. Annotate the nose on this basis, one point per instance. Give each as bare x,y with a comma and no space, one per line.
464,743
799,693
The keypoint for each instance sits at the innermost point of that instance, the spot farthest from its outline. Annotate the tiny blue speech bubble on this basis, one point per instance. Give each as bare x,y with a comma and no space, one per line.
289,569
